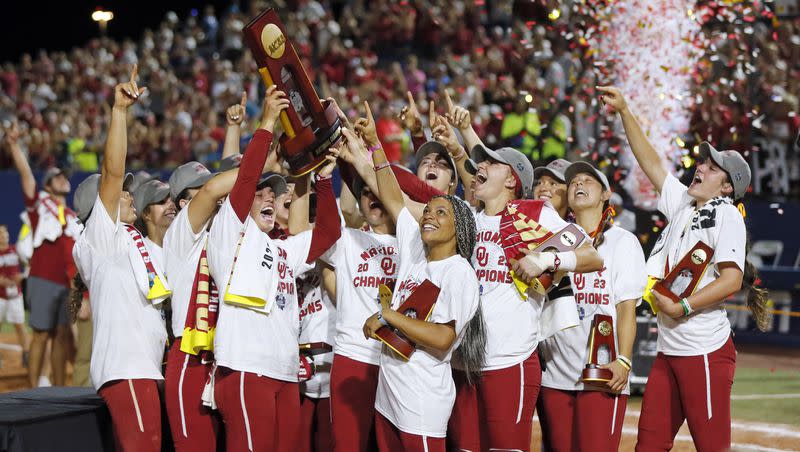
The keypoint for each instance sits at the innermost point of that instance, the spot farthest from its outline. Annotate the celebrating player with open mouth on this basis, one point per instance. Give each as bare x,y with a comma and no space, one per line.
126,288
256,341
582,416
693,372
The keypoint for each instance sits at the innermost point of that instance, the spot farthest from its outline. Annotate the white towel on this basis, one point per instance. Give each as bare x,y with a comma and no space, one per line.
254,276
53,221
557,315
158,292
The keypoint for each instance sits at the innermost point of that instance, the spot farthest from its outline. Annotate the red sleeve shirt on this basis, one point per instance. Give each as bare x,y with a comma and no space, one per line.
9,267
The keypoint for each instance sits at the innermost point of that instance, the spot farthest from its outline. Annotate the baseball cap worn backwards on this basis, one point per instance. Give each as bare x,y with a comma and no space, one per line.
87,191
733,164
516,160
188,175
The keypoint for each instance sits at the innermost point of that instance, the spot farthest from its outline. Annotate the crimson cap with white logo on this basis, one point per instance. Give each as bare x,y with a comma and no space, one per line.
733,164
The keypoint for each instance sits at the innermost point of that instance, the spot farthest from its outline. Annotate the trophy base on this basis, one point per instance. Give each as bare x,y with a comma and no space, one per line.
592,373
399,345
306,151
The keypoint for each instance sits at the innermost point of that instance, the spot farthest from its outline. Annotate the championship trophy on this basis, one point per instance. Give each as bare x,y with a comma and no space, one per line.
418,305
682,280
601,350
310,128
567,239
315,348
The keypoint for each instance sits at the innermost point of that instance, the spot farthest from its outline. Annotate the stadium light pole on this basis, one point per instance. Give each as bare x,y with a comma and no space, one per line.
102,18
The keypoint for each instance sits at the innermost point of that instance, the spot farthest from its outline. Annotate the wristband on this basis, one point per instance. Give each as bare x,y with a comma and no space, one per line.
556,263
687,308
375,147
567,261
624,361
381,319
381,166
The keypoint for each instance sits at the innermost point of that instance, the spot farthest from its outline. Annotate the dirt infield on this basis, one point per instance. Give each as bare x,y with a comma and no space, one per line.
767,387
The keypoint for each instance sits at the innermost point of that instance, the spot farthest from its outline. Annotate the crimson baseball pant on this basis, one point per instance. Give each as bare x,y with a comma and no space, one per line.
391,439
135,413
506,400
581,420
694,388
353,388
464,427
315,425
260,413
194,427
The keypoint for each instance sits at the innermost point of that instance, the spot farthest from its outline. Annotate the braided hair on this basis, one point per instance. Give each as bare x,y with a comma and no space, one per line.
471,353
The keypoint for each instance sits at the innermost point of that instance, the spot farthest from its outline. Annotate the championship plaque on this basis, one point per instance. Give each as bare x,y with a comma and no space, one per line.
601,350
418,305
567,239
310,128
682,280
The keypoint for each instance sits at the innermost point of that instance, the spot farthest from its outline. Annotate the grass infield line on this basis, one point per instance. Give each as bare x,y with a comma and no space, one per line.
749,426
764,396
734,446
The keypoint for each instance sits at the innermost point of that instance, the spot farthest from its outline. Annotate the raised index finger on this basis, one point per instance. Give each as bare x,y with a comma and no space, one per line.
447,98
134,73
431,111
243,103
411,103
368,110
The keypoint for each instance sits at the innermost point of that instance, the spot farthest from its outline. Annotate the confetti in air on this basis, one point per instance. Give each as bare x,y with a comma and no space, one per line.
650,49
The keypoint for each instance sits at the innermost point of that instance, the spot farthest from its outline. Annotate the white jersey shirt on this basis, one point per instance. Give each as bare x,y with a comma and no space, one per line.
417,395
182,249
156,252
363,261
317,324
129,334
719,225
246,340
622,278
511,322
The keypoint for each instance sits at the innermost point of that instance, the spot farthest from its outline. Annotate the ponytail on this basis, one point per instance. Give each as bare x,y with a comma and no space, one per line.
757,297
76,296
471,353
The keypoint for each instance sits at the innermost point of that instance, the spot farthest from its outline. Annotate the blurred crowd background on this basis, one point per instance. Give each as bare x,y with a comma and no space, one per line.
521,68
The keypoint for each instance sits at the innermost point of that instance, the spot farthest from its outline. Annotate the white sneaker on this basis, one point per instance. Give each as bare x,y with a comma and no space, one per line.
44,382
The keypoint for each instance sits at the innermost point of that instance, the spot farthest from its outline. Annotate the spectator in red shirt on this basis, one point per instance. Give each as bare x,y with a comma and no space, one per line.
54,227
390,134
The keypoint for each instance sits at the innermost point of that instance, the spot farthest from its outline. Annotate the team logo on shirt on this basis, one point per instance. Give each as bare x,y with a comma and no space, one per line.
280,300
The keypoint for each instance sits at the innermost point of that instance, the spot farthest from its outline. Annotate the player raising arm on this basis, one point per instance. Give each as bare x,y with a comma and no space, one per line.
693,371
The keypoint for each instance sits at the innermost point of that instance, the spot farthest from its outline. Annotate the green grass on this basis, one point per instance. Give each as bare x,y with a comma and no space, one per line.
765,381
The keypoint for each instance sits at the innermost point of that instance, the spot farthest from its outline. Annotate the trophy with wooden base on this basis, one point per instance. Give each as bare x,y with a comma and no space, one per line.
418,305
684,277
310,127
567,239
601,350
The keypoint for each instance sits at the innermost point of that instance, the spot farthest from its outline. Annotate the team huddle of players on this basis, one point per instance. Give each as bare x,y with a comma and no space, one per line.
251,267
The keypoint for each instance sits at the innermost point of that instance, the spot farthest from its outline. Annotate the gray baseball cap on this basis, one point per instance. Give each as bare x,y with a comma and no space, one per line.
229,162
139,178
274,181
188,175
50,173
585,167
733,164
86,194
516,160
555,168
432,147
150,192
